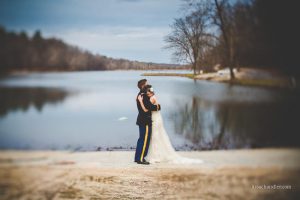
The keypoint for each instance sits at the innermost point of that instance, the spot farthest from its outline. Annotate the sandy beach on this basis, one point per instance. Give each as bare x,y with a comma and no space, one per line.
226,174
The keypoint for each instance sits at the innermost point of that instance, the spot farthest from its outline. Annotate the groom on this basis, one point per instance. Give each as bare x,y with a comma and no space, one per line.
144,122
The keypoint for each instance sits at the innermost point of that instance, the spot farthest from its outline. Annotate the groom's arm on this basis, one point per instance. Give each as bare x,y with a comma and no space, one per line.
149,105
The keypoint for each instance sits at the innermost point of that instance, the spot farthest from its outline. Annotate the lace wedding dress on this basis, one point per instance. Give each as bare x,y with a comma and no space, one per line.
160,148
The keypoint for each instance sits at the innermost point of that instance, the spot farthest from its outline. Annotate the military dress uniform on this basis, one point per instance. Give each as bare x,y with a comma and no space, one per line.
144,122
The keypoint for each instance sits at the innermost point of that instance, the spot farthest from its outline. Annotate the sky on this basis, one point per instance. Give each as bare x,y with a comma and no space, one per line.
130,29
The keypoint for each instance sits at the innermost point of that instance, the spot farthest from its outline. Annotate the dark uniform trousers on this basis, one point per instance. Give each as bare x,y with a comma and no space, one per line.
143,142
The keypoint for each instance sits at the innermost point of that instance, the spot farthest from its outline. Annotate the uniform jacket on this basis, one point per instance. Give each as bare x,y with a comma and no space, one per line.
144,118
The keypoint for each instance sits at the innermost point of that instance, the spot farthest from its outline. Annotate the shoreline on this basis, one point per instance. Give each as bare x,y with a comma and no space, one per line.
245,77
225,174
259,157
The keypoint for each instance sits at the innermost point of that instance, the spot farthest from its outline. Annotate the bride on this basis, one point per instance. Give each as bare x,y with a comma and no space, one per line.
160,148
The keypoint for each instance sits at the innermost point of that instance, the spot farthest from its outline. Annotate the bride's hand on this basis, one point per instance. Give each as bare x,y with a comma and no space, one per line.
140,98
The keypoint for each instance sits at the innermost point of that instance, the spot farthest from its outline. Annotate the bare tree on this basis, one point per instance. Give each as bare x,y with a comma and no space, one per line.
190,38
221,22
222,19
249,33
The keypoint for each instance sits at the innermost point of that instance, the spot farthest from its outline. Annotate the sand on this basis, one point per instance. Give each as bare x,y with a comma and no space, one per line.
226,174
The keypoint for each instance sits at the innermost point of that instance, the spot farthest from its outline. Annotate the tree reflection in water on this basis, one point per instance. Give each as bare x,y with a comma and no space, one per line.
15,98
231,125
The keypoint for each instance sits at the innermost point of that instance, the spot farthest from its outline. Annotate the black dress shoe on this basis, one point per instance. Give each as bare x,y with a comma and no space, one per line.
143,163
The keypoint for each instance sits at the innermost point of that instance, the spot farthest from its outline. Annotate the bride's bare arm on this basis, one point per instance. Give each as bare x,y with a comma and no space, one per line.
140,98
153,100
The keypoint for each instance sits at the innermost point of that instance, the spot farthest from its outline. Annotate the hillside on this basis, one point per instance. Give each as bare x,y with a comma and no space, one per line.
18,51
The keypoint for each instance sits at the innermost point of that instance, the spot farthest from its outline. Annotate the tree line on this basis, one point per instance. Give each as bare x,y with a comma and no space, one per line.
234,34
18,51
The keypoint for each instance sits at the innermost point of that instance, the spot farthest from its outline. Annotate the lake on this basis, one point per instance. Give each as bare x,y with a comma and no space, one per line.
96,110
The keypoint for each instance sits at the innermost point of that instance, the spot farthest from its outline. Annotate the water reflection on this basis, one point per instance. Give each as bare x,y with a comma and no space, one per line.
231,125
197,115
21,98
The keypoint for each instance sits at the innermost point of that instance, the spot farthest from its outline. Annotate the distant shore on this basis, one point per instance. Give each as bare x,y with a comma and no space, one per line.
28,71
245,76
225,174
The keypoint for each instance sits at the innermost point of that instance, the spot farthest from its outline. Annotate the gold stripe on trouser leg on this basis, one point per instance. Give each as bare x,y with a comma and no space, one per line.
145,142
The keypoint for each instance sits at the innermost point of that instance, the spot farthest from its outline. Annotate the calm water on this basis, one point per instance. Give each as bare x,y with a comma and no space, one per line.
97,110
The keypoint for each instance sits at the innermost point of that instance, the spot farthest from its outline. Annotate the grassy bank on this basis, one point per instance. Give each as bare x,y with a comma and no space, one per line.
169,74
239,80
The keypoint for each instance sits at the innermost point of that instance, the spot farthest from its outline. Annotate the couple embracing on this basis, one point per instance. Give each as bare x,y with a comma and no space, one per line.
153,145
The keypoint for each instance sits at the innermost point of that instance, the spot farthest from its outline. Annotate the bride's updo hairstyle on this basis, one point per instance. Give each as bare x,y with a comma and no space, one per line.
149,88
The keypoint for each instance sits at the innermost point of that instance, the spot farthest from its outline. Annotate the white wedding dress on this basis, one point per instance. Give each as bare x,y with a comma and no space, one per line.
160,148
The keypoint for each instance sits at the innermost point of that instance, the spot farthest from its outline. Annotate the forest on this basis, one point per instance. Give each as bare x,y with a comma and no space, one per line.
235,34
19,52
229,34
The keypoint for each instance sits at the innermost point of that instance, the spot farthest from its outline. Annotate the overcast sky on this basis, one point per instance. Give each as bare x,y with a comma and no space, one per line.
132,29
